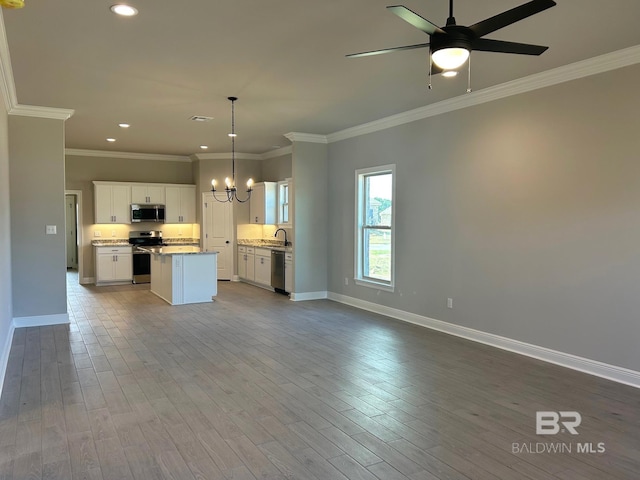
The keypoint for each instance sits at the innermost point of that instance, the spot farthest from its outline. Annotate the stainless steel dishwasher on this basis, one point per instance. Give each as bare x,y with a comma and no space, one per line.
277,271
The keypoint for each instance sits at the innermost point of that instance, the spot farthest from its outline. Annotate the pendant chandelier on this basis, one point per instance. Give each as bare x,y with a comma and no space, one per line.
230,183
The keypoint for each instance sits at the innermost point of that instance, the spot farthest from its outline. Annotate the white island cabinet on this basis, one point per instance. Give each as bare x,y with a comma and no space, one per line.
181,275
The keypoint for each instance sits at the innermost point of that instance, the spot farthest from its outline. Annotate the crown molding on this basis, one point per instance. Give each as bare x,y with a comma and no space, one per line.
278,152
41,112
306,137
603,63
227,156
7,84
128,155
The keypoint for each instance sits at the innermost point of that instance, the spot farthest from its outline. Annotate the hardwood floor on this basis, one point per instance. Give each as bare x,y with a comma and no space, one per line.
254,386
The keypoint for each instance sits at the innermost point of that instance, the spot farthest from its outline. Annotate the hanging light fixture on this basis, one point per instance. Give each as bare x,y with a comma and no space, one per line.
230,183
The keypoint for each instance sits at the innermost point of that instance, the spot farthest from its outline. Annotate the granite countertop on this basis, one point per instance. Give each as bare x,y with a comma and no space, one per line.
111,243
176,250
264,243
124,242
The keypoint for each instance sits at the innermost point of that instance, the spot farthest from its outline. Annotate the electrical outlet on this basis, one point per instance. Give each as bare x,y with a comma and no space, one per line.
97,233
449,302
51,230
346,280
113,233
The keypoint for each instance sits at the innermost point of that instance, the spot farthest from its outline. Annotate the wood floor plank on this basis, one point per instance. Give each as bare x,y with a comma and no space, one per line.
253,386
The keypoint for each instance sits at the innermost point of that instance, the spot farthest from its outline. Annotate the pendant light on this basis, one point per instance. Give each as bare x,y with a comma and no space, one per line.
230,183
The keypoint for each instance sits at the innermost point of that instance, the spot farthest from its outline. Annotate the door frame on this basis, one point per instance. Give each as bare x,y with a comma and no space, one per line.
71,222
79,232
207,197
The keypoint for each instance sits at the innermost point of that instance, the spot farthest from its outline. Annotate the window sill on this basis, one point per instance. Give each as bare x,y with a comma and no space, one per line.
376,285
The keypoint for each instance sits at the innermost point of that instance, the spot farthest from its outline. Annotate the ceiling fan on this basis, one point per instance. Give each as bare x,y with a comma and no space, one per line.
450,45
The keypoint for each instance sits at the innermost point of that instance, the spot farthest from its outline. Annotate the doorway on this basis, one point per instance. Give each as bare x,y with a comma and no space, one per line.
217,233
73,231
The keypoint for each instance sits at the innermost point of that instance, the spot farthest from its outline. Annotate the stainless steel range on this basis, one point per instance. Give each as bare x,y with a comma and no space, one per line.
142,259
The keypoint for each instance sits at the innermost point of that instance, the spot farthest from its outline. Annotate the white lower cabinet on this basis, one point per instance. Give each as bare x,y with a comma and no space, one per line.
263,266
288,272
254,265
113,265
242,262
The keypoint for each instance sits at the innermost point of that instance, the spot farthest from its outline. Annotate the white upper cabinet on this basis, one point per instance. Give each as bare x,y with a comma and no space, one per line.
148,194
180,202
262,206
112,203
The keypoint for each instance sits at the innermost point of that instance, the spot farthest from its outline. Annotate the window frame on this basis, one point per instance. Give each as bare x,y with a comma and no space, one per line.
361,227
280,220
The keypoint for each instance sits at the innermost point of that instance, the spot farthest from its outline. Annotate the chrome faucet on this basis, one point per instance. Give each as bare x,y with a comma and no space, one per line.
286,242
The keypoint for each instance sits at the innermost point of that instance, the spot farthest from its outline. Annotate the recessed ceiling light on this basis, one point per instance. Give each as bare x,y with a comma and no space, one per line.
201,118
124,125
232,134
449,73
124,10
111,139
203,147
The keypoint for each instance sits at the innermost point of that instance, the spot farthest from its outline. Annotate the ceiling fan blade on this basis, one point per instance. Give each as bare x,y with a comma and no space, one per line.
414,19
514,15
488,45
387,50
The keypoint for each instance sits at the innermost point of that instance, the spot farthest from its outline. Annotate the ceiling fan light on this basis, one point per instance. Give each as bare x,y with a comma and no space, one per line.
124,10
450,58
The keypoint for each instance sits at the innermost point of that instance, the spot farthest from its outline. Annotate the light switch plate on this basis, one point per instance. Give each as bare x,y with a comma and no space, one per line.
52,230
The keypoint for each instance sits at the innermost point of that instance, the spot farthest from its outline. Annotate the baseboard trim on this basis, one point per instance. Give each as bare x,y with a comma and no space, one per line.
88,281
303,296
4,359
41,320
574,362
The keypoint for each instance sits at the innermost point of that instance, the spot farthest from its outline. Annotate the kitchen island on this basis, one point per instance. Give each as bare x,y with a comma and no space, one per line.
183,274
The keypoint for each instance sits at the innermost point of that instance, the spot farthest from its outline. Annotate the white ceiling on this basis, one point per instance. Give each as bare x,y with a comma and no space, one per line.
284,59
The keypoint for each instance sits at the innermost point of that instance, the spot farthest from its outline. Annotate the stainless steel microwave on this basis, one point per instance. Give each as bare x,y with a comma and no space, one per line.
147,213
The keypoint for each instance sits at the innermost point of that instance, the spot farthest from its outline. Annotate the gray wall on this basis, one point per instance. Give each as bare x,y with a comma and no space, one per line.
310,217
523,210
277,168
6,311
36,183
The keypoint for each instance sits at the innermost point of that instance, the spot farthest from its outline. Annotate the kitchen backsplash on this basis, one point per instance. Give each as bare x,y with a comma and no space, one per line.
119,231
261,235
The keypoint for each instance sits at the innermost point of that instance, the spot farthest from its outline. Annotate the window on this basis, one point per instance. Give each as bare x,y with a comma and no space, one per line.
284,189
374,263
